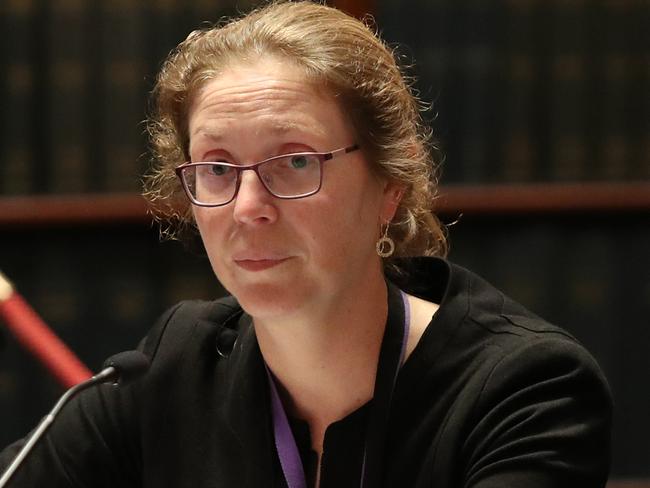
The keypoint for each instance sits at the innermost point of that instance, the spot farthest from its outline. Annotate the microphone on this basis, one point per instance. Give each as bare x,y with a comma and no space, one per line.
119,370
125,367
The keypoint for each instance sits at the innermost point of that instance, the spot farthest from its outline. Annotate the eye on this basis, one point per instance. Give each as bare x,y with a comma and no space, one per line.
299,161
220,170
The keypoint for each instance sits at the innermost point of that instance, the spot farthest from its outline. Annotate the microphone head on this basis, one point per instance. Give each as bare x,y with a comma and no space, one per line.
129,365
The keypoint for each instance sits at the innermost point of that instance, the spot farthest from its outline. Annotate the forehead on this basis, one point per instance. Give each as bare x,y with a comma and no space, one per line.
270,97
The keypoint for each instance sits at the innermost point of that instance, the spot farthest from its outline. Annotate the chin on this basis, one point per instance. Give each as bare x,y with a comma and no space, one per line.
262,309
267,300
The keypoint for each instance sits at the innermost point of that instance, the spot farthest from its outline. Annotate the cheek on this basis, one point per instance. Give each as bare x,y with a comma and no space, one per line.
340,229
208,220
211,231
201,219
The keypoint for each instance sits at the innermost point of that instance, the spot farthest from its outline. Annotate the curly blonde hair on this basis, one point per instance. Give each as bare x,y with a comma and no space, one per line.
336,51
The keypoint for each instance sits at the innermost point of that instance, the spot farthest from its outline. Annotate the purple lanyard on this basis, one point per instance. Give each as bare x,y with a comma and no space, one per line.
285,443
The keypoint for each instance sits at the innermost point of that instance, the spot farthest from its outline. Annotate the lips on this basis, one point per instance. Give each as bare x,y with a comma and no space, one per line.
259,264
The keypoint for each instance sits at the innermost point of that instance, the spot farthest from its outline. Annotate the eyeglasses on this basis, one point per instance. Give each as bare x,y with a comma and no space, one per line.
289,176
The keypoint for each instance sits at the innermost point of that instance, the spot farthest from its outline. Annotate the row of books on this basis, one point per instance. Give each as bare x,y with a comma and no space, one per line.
521,91
101,289
76,82
531,91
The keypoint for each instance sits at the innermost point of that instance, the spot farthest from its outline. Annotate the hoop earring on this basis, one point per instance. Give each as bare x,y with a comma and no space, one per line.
385,245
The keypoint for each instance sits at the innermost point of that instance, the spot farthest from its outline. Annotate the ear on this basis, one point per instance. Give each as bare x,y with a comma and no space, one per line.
392,197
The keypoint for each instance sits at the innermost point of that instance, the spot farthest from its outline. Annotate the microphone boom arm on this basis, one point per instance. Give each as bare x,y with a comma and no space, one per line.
103,376
118,369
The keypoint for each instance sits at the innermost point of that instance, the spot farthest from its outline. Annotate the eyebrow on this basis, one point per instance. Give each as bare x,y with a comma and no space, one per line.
278,128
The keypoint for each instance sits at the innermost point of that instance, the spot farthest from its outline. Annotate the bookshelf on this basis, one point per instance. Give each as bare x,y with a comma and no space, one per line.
497,199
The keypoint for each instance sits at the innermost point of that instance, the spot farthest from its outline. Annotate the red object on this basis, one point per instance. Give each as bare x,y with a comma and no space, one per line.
38,338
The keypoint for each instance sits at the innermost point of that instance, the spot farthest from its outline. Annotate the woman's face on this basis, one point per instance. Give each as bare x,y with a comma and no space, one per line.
286,257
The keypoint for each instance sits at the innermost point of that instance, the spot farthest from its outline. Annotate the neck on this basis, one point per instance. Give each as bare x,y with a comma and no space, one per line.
325,363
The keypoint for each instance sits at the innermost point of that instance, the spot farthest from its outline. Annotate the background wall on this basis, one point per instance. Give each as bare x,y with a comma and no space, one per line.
526,95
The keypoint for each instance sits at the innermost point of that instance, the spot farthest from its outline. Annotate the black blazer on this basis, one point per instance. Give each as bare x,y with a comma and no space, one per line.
492,396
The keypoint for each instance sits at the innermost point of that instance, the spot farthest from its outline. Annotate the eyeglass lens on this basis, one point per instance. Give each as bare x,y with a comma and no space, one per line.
285,176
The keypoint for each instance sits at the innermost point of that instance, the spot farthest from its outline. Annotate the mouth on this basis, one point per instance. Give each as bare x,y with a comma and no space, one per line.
259,264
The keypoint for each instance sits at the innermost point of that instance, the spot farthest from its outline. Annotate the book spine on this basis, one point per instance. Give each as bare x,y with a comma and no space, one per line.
567,161
68,158
621,58
123,103
16,117
517,151
477,70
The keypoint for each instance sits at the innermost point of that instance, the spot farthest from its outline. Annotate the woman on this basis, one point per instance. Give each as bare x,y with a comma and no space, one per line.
291,141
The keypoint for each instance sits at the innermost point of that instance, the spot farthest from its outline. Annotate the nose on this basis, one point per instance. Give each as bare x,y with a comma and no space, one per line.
253,203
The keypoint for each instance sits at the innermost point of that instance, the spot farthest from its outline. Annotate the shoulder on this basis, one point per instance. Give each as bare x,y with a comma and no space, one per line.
525,402
183,348
543,411
538,387
473,312
188,336
518,349
484,330
188,318
551,364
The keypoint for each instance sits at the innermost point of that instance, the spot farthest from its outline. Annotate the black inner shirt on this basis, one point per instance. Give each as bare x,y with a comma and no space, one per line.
343,449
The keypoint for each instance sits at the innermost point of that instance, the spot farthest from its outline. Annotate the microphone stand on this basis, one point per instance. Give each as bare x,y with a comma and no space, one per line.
107,374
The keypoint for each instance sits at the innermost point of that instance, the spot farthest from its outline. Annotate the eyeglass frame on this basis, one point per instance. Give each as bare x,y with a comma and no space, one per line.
322,157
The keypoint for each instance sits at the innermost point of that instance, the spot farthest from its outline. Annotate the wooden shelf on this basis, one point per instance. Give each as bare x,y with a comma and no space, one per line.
543,198
453,201
72,209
